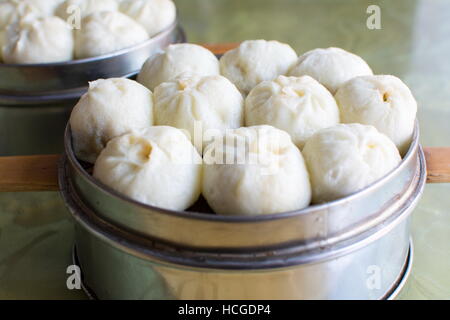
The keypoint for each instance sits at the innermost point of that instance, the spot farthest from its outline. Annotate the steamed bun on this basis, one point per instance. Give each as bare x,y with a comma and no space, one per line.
85,7
382,101
347,158
255,61
39,40
332,67
154,15
157,166
12,11
46,7
178,60
198,104
109,109
254,171
106,32
300,106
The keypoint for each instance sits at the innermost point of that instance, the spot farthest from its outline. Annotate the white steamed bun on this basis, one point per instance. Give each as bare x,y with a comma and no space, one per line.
157,166
255,61
177,60
109,109
105,32
332,67
254,171
46,7
38,40
382,101
300,106
154,15
13,10
347,158
85,7
197,104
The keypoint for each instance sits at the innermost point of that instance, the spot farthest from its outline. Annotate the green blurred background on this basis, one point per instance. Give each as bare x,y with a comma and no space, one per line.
413,44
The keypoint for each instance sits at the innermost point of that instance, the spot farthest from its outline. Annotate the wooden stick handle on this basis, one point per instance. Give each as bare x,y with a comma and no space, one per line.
29,173
40,173
220,48
438,164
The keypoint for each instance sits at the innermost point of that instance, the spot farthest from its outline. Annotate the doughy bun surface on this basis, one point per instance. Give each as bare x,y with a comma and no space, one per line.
157,166
109,109
105,32
254,171
332,67
178,60
199,105
346,158
300,106
255,61
383,101
38,40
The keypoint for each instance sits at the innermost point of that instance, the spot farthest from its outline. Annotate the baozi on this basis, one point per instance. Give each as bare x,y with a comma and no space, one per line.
332,67
255,61
199,105
383,101
178,60
255,171
12,11
157,166
154,15
45,7
84,7
346,158
38,40
300,106
109,109
105,32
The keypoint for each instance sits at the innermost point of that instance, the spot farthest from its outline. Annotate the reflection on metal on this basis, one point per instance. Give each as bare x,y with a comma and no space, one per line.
391,295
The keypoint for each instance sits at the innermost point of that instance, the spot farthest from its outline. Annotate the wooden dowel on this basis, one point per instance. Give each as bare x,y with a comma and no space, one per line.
40,173
438,164
29,173
220,48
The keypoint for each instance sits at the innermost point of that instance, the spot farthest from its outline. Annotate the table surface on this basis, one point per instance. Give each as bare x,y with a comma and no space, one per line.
36,233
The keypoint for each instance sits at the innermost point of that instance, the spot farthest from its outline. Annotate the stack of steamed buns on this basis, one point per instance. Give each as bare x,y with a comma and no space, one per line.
50,31
262,131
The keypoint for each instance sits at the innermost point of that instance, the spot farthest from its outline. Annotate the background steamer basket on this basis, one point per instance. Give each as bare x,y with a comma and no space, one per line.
36,99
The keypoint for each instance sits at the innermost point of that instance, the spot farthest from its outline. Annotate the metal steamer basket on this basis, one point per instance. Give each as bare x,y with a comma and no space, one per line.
36,99
357,247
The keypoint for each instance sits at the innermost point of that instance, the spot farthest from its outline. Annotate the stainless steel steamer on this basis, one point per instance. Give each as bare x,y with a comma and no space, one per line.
353,248
36,99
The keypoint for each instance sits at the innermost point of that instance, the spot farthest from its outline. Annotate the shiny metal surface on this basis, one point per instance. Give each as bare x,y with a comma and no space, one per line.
354,259
391,295
311,228
403,279
55,82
